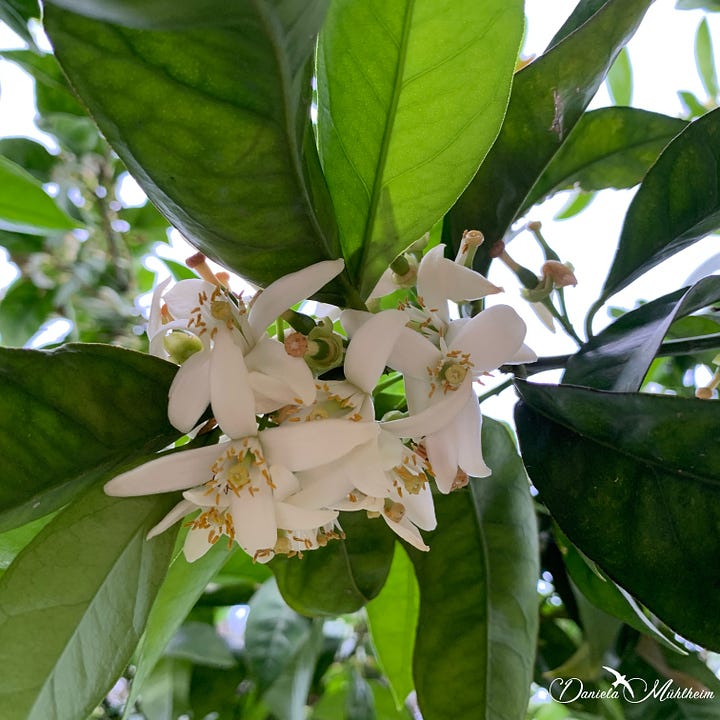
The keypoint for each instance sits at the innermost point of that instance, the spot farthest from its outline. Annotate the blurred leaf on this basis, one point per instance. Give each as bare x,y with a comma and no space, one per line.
30,155
392,617
23,309
74,603
693,105
216,691
20,243
199,643
178,271
25,206
227,171
577,203
705,59
16,13
618,358
345,575
274,634
168,691
709,5
77,134
70,416
477,631
400,135
609,147
634,482
677,204
548,98
360,702
620,80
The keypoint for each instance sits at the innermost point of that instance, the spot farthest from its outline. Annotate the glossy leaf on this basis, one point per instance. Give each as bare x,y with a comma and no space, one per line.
411,96
70,416
548,98
619,357
25,206
221,155
633,481
581,13
13,541
392,617
610,147
344,576
16,13
74,603
620,80
478,606
677,204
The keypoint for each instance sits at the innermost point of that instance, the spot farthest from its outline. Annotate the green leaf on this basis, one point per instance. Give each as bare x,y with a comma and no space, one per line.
677,204
16,13
70,416
693,106
582,12
575,205
30,155
13,541
478,604
341,577
619,357
633,480
25,206
411,96
547,99
168,691
392,617
610,147
199,643
709,5
221,156
705,59
74,602
23,310
620,80
274,634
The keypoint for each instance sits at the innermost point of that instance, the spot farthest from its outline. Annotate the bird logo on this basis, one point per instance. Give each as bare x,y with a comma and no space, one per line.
619,680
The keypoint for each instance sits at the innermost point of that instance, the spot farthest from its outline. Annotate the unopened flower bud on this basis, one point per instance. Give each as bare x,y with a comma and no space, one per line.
325,349
561,274
404,270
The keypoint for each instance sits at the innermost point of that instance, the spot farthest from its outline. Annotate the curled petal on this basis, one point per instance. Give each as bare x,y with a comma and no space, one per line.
468,427
420,508
177,513
155,322
277,297
189,393
232,398
196,544
286,484
407,531
413,354
442,451
174,471
370,348
292,517
254,519
522,356
183,297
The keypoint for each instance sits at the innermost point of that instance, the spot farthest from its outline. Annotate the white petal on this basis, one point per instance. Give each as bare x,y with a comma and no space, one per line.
544,315
174,471
301,446
413,354
523,355
420,508
269,358
183,298
368,471
285,482
232,399
254,520
277,297
177,513
407,531
468,426
435,417
370,348
384,286
353,320
189,393
440,280
196,544
323,487
492,337
442,452
291,517
155,317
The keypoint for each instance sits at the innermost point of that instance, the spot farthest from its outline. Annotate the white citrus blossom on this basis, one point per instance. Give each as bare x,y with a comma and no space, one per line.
235,335
243,486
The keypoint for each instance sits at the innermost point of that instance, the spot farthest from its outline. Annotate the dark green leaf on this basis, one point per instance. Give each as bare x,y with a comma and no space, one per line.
13,541
478,604
609,147
274,634
547,99
705,60
69,416
392,617
619,357
168,690
634,482
583,11
411,97
200,644
344,575
619,79
25,206
221,155
677,204
16,14
20,243
30,155
22,311
74,602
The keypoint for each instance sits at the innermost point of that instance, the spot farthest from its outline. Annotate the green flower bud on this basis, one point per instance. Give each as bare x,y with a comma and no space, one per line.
181,345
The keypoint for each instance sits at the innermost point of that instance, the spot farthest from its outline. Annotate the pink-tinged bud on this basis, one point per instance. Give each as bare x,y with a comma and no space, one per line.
198,263
561,274
296,344
497,249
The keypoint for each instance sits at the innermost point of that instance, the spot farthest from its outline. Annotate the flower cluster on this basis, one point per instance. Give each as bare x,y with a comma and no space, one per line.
298,447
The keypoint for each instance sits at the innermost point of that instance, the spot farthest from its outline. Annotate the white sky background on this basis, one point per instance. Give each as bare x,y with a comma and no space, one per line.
662,57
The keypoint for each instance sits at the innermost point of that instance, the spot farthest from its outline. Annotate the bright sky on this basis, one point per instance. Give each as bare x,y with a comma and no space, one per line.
662,57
